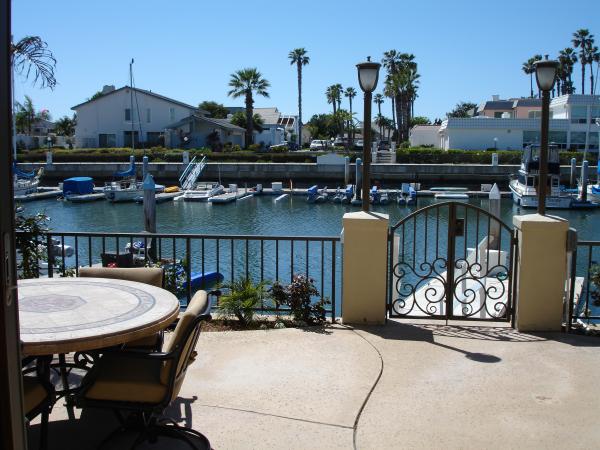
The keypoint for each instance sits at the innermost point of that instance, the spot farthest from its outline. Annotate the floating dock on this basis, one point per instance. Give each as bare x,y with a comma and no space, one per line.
85,197
229,197
38,195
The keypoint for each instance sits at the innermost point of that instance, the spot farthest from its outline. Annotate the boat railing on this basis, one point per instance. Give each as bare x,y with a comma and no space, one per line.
583,287
256,257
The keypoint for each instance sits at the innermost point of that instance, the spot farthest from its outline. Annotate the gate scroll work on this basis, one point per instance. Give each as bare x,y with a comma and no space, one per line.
451,260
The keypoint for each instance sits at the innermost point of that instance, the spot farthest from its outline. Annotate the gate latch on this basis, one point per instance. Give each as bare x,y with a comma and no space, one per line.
459,227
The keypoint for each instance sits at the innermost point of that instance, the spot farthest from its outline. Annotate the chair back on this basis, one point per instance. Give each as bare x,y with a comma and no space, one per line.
120,260
183,342
147,275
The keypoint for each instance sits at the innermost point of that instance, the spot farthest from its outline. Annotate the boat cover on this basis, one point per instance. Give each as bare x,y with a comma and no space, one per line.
20,174
128,173
78,186
313,189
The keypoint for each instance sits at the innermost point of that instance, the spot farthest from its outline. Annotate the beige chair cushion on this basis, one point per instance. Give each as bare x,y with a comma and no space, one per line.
34,393
196,306
127,380
147,275
146,342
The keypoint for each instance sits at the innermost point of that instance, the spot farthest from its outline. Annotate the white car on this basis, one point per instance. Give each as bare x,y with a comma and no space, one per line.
318,144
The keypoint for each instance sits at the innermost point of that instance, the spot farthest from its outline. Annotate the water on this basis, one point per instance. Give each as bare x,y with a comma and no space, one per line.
255,216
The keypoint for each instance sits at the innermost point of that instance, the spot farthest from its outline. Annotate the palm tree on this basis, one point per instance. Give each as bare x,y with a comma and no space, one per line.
567,59
31,55
529,69
244,83
378,100
582,39
593,57
298,57
331,97
350,92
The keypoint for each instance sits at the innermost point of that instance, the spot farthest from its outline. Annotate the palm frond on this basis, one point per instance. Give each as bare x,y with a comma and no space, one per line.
32,56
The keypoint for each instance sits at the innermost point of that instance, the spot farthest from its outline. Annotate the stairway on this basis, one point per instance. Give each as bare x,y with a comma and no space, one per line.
192,172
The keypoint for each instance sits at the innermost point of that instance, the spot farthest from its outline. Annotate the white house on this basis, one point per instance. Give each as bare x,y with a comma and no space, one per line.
198,130
424,135
573,125
277,127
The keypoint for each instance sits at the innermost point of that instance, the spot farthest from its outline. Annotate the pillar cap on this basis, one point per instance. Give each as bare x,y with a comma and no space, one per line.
361,215
537,221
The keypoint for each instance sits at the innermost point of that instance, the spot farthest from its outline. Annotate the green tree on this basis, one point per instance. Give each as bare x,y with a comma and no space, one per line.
245,83
461,109
30,55
26,115
419,120
323,126
96,95
583,40
65,126
593,57
378,100
529,69
298,56
216,110
334,96
239,119
350,93
567,59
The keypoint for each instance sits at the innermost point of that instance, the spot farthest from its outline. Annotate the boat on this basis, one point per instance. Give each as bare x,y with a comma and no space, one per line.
123,191
406,195
337,196
80,189
171,189
25,183
524,186
378,197
593,190
203,280
203,191
316,195
348,194
451,196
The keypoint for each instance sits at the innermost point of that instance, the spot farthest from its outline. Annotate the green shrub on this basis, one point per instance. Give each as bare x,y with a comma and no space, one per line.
298,297
254,147
280,149
241,300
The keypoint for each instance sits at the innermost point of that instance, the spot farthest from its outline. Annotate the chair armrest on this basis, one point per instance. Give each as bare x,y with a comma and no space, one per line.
139,354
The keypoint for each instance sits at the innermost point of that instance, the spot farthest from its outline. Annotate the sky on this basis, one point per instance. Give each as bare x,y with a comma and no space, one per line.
184,49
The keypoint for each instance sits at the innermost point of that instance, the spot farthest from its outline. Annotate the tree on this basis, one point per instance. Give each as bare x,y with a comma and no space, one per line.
350,93
239,119
323,126
65,126
593,57
378,100
26,115
31,55
216,110
298,57
419,120
334,96
98,94
583,40
245,83
529,69
462,109
567,59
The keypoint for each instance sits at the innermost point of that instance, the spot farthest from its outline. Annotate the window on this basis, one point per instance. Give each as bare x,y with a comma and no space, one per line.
534,114
148,115
593,143
172,114
531,137
153,138
127,138
577,140
578,114
559,138
107,140
595,114
127,115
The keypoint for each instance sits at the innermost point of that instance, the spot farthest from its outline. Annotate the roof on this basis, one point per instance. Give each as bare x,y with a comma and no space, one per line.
496,104
528,102
268,115
223,123
141,91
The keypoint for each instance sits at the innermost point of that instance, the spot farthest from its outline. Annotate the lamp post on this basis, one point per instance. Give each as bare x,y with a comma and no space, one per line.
368,75
545,76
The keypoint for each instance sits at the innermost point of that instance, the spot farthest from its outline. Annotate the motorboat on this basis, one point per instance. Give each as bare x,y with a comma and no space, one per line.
316,195
378,197
80,189
407,194
524,186
25,183
124,190
203,191
348,194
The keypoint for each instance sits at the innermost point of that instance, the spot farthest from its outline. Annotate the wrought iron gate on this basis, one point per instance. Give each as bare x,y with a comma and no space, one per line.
451,260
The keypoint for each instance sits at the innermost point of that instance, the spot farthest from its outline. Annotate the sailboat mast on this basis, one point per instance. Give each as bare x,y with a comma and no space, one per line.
131,105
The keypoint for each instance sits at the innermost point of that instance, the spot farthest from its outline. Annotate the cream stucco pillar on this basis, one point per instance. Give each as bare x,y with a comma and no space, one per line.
364,267
541,271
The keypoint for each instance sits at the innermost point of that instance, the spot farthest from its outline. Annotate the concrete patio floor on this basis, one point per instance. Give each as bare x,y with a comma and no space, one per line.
403,385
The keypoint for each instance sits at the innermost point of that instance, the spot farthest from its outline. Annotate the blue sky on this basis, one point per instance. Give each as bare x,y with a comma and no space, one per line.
466,50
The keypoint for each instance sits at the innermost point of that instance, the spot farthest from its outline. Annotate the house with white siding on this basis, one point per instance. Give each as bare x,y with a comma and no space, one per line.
111,119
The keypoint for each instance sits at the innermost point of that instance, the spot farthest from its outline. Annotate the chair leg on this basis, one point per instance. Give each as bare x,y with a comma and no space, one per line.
44,430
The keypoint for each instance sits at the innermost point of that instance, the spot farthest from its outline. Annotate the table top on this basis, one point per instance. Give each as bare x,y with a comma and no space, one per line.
63,315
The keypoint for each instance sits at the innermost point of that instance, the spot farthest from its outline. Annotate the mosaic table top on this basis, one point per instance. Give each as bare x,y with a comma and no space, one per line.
63,315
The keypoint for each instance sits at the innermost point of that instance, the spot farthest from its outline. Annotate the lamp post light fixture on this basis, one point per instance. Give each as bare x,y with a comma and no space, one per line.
368,75
495,143
545,76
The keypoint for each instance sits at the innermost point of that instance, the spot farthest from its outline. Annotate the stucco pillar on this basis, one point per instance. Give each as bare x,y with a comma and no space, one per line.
541,271
364,267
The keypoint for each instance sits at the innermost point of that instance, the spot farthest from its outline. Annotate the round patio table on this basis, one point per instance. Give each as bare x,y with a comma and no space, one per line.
64,315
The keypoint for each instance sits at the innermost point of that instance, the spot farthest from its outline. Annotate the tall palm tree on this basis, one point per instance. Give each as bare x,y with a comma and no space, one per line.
298,57
388,91
567,59
330,94
245,83
350,92
582,39
529,69
378,100
30,55
593,57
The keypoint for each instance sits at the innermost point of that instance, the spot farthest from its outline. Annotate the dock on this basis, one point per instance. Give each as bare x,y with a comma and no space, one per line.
229,197
42,195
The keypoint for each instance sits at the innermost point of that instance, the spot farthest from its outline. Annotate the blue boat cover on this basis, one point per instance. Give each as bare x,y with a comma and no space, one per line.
78,186
128,173
20,174
313,189
349,189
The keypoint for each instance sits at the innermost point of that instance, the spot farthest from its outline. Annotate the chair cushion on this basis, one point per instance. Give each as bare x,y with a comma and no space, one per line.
34,393
147,275
123,379
196,307
150,342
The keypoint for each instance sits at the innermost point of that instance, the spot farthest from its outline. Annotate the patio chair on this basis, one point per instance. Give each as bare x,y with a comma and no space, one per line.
147,275
38,395
120,260
145,384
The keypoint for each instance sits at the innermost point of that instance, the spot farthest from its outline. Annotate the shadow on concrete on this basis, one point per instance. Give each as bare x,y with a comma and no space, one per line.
94,425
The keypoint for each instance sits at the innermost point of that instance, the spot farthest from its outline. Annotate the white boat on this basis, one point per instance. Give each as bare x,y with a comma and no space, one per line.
123,191
203,191
593,193
524,186
25,186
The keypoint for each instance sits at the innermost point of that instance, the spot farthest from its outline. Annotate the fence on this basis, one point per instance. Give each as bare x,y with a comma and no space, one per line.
584,292
259,258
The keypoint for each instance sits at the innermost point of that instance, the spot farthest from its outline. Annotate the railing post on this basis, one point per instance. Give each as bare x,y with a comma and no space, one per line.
572,265
50,255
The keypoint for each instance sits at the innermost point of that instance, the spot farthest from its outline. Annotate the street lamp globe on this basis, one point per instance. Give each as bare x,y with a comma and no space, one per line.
368,75
545,73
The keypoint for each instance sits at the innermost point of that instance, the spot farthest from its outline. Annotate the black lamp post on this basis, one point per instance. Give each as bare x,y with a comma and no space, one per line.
545,76
368,75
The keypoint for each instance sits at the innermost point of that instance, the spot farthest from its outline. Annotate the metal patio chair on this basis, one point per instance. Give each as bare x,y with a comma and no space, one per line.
38,395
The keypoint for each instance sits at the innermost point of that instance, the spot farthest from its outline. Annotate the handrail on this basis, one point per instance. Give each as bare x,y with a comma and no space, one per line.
188,236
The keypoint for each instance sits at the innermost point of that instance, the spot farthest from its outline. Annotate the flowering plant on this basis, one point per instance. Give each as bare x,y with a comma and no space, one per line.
298,296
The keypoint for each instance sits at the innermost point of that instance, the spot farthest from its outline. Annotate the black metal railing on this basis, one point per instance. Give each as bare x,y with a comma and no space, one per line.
583,292
258,258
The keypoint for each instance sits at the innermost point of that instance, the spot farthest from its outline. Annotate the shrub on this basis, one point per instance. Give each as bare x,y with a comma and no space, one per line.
31,245
595,281
254,147
280,149
241,300
298,297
